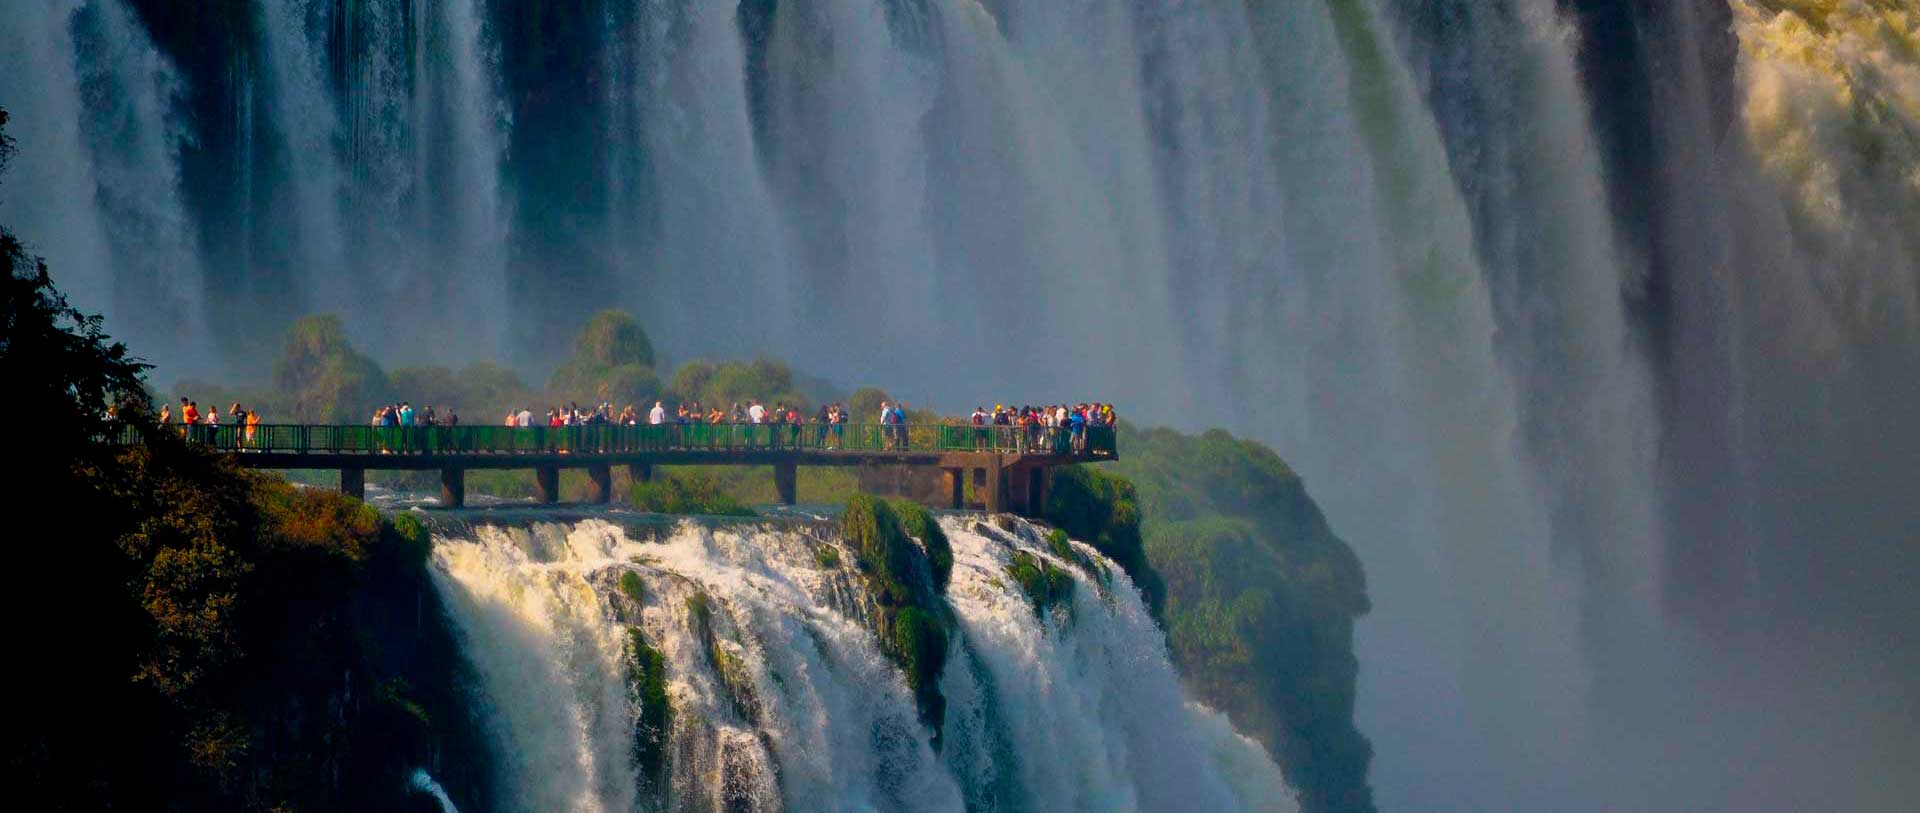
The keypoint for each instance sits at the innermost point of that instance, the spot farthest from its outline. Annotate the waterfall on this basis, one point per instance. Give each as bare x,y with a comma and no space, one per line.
781,698
424,782
51,188
306,122
1595,326
133,138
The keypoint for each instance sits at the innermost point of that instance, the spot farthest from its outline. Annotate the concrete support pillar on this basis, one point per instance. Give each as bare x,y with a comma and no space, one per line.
546,484
353,483
957,480
602,478
786,478
453,487
1042,483
640,472
1019,490
995,494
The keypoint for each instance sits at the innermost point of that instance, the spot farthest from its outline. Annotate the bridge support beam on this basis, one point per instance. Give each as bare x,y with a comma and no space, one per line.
1020,490
786,477
640,472
453,487
957,481
353,482
995,494
602,478
546,484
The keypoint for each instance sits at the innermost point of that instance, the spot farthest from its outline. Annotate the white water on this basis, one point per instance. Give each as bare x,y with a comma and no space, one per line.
308,125
1217,214
1077,711
49,198
425,783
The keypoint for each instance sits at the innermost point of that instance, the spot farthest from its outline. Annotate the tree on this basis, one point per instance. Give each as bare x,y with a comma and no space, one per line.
612,361
325,378
864,403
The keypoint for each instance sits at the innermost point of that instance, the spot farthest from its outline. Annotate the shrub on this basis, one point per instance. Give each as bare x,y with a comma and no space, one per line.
689,494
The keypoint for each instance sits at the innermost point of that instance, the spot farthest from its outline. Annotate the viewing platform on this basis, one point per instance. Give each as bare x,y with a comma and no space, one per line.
1009,465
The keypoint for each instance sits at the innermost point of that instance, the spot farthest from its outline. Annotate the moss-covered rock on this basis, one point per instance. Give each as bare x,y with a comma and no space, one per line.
1261,597
1103,511
653,718
631,587
1046,586
919,523
910,615
735,681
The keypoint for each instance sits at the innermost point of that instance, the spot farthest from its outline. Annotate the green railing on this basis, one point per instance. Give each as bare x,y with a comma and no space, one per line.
1094,441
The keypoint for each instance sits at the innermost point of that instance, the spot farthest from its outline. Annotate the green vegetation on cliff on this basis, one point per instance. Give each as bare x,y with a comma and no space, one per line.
191,636
1259,595
910,614
686,494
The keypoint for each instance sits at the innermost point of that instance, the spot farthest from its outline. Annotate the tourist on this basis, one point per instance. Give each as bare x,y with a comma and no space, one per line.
166,414
658,415
756,413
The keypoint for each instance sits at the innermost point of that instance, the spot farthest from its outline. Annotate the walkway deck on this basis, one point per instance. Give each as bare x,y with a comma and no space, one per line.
1009,464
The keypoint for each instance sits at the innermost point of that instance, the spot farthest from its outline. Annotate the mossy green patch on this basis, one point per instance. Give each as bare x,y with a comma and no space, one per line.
919,523
686,494
910,615
1046,586
632,587
653,720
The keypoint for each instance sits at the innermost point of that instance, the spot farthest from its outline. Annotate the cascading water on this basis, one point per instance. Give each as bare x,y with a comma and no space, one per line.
50,201
780,698
1609,383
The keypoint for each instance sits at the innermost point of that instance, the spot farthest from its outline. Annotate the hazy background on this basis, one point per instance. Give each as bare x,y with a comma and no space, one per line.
1595,326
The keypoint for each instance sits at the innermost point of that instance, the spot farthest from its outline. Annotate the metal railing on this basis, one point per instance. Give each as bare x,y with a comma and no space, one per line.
1092,441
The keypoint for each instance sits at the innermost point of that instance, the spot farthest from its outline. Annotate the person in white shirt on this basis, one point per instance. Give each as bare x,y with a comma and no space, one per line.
756,412
657,415
525,417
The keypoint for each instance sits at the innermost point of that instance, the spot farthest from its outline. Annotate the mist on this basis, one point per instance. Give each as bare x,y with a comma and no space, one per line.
1595,327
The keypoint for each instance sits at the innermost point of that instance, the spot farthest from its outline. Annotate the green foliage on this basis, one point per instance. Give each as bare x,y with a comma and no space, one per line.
632,588
1261,599
919,523
647,691
612,361
898,576
1046,586
686,494
827,556
611,339
885,553
725,383
919,644
249,644
865,402
324,379
1104,511
753,485
481,392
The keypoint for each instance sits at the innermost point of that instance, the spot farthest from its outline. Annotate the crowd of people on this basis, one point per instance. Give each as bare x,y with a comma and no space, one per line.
403,414
192,419
1057,423
1057,426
